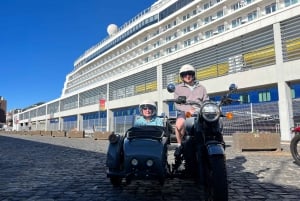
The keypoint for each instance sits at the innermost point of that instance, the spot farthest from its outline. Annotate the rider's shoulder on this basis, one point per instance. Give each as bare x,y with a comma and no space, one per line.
198,84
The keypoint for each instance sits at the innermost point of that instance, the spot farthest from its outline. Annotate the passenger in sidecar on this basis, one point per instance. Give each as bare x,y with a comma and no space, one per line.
140,154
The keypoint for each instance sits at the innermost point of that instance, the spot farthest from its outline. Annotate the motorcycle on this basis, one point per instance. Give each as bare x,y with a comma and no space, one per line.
142,153
295,145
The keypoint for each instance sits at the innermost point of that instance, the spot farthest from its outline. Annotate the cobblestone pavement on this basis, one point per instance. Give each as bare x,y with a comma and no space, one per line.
57,168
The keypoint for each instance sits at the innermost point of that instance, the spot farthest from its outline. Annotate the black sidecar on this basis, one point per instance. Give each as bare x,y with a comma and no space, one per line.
140,154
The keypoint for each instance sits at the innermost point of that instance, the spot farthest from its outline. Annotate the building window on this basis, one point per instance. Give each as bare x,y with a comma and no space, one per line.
168,38
185,17
206,20
264,96
293,94
195,25
208,34
187,29
270,8
252,16
290,2
236,22
221,28
236,6
187,43
169,50
146,49
206,6
156,55
220,13
245,98
155,45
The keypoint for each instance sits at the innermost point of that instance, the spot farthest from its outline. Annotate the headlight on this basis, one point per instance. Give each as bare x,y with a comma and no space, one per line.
134,162
149,163
113,138
210,112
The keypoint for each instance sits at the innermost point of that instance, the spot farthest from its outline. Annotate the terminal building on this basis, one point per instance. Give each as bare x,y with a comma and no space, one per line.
252,43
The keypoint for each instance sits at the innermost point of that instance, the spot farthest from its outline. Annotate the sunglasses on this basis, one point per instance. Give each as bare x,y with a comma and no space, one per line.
191,73
147,108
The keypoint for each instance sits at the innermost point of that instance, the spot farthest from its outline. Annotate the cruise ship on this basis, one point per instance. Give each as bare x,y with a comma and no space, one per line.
253,43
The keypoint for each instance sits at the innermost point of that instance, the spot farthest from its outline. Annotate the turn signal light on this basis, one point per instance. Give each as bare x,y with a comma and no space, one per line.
229,115
188,114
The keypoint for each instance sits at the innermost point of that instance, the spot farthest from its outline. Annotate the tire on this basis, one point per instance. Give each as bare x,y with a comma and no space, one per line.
218,178
116,181
295,148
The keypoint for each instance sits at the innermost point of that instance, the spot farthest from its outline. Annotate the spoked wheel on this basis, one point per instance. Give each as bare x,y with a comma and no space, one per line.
295,148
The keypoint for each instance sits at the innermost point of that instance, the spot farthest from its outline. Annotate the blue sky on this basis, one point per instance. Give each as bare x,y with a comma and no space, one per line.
41,39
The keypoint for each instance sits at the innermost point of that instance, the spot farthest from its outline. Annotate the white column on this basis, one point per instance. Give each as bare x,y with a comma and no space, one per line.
159,100
284,91
79,122
109,113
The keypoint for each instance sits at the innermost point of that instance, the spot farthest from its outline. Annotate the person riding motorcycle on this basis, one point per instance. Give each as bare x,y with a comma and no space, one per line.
148,116
193,91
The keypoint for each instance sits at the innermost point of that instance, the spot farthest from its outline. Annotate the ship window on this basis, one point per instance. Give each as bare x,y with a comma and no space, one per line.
187,43
252,15
206,20
221,28
208,33
290,2
220,13
206,6
236,22
156,55
270,8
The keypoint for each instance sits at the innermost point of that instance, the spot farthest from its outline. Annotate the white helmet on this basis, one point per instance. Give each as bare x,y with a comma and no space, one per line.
187,68
149,104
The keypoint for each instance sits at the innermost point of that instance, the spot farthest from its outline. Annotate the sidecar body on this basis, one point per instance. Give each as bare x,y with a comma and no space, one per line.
140,154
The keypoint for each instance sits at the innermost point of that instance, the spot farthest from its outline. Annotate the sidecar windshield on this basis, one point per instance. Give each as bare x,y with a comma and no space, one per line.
153,132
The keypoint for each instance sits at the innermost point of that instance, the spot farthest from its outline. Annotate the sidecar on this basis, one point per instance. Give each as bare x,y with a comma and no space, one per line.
140,154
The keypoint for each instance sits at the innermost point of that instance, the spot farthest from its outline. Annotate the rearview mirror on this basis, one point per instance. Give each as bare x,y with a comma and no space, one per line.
171,88
233,87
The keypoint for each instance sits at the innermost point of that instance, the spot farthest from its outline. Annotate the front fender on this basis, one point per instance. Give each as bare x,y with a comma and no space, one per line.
113,159
215,149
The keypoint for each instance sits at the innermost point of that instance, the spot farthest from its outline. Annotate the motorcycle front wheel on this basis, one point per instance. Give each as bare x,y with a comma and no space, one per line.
295,148
218,178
